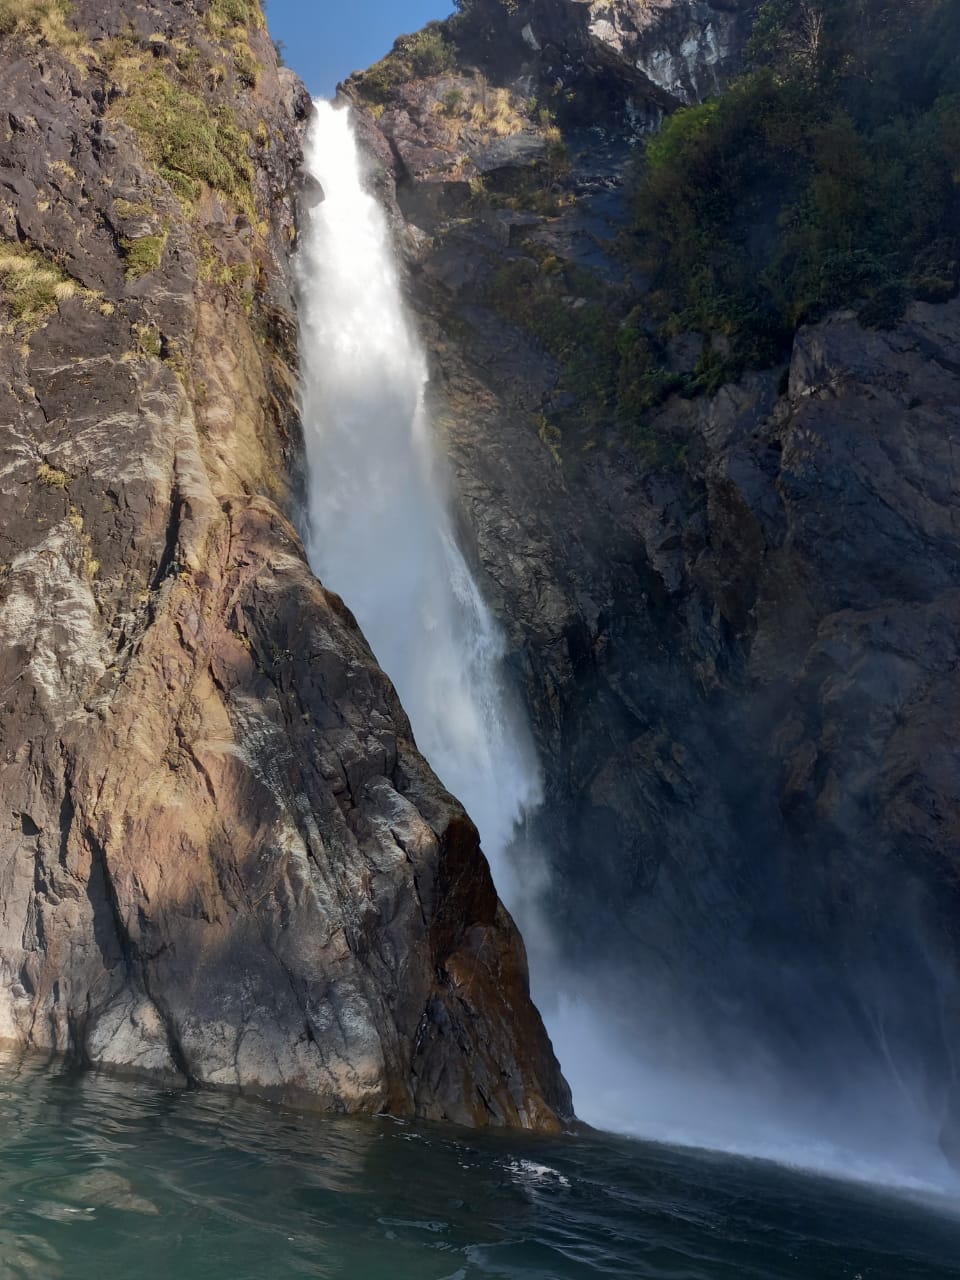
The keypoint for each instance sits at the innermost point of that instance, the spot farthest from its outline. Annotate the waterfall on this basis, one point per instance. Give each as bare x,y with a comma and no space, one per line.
381,534
380,529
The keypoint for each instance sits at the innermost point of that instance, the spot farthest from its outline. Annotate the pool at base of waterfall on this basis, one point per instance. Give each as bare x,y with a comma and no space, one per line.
103,1178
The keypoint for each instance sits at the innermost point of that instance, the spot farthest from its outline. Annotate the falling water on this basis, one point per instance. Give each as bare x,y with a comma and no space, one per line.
381,533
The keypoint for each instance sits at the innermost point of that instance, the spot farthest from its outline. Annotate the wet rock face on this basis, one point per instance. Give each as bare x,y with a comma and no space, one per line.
222,859
740,659
743,678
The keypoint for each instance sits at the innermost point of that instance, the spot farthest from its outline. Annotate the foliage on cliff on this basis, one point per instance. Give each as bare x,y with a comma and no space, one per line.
32,288
827,176
191,143
426,53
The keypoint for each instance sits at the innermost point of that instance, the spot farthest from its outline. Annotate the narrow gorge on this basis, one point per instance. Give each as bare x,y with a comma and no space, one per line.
487,547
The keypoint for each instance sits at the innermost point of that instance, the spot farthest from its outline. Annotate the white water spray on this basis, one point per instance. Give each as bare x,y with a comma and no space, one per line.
380,528
381,534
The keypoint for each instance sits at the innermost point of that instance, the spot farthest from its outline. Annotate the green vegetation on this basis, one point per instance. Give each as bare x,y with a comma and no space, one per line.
132,209
247,65
148,341
35,17
32,287
550,435
190,143
427,53
613,370
481,25
827,176
230,23
480,10
142,254
224,14
562,308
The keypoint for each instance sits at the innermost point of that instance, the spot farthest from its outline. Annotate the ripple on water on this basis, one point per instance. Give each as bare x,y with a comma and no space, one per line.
104,1178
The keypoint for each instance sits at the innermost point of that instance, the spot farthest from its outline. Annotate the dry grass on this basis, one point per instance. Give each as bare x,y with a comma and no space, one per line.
51,477
479,108
46,19
32,287
224,14
495,113
191,144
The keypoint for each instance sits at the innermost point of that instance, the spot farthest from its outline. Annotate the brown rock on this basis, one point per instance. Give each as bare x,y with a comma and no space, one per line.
222,859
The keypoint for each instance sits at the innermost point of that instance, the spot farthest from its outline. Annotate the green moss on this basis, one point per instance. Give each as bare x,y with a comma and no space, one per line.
190,144
142,255
132,209
213,267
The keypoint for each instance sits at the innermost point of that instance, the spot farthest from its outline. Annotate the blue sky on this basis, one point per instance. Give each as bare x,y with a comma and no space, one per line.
324,40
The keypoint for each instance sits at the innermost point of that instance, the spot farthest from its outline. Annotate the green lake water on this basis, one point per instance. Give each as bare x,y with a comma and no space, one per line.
104,1180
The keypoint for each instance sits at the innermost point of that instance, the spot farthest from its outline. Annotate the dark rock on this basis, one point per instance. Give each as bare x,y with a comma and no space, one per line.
741,661
311,193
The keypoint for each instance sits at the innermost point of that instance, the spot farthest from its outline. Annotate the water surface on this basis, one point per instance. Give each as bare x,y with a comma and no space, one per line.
111,1179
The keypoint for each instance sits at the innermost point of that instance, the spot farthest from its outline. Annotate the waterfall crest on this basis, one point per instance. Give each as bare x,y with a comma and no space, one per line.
380,530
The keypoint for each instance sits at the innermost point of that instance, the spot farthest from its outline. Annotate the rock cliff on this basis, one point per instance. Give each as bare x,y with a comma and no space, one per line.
222,859
736,629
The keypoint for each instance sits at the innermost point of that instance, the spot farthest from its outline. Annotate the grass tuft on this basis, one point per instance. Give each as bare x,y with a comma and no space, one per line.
46,18
224,14
142,255
53,478
32,287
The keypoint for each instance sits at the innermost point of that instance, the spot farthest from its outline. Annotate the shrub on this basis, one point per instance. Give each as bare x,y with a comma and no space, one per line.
453,102
235,13
827,178
428,52
416,57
